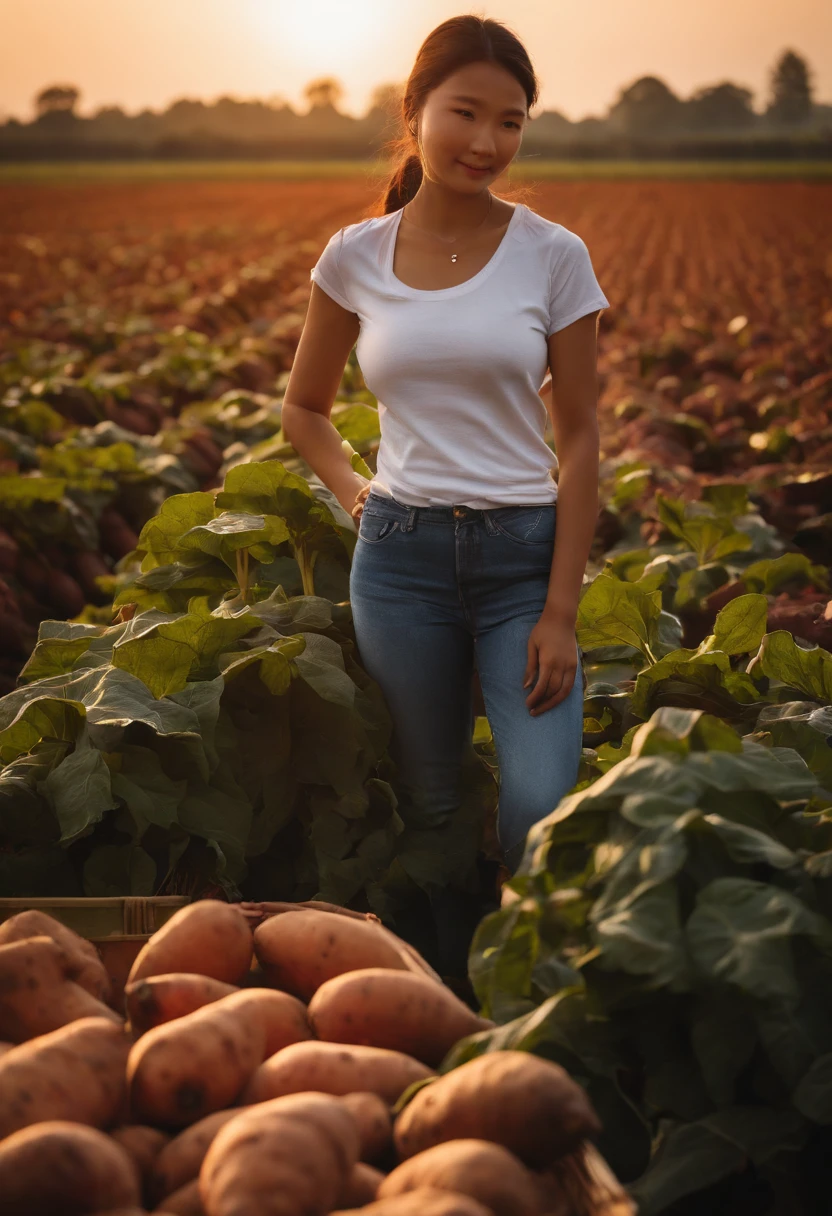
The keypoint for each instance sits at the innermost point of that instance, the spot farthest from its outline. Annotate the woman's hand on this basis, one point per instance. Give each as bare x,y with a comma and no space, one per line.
359,502
553,654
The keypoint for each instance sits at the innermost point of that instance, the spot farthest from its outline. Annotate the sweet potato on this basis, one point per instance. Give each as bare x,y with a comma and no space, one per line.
401,1011
256,913
36,995
299,951
163,998
57,1166
425,1202
288,1156
184,1202
529,1105
284,1018
205,938
86,967
142,1145
486,1171
76,1073
374,1122
183,1070
333,1068
179,1161
361,1186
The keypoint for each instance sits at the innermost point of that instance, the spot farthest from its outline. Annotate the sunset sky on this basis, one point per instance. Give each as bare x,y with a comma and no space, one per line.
138,53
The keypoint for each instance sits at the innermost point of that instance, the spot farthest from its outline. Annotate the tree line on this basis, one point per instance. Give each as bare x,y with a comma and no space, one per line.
646,118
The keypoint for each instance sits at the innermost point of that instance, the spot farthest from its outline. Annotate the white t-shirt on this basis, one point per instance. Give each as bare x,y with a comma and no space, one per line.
456,372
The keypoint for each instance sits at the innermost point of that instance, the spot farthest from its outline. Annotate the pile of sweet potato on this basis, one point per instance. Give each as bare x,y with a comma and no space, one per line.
255,1072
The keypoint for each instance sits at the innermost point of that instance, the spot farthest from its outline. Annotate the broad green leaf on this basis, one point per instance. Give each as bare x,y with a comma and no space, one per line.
79,791
149,795
53,656
222,537
680,731
772,574
321,665
173,651
693,1156
160,536
712,537
643,936
739,626
168,588
689,679
612,610
780,658
273,662
805,727
740,933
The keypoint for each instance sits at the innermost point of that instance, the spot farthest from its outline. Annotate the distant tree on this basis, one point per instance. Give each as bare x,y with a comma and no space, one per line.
387,97
58,98
790,98
720,105
647,107
325,91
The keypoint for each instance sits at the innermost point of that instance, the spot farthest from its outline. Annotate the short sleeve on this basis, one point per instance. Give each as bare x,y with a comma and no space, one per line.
327,272
573,288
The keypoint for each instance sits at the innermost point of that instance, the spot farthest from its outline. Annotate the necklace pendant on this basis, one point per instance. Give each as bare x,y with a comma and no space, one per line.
453,257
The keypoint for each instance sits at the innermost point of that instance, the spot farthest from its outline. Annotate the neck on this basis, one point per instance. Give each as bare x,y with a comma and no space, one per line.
448,212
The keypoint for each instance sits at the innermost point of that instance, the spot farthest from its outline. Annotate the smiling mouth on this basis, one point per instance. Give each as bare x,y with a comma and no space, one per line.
478,168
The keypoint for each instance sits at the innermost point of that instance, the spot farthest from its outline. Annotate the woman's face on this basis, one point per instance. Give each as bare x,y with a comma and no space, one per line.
482,132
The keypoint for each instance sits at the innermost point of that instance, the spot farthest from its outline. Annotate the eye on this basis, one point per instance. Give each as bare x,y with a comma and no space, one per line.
510,121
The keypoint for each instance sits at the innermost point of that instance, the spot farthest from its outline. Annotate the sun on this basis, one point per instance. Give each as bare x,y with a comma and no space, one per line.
325,35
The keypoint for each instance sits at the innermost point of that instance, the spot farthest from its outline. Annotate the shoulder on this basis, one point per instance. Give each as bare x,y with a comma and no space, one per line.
558,241
365,231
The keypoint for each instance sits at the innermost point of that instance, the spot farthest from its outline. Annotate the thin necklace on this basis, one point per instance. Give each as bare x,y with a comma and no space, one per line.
450,240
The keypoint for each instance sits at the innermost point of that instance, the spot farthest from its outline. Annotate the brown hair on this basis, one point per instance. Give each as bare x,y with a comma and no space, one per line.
454,44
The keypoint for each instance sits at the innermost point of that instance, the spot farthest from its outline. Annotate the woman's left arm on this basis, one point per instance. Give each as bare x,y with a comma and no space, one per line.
574,405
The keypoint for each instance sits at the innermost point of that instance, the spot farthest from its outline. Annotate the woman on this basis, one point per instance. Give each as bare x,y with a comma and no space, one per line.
457,301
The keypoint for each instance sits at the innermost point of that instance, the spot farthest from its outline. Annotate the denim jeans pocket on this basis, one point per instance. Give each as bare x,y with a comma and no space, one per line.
527,525
377,522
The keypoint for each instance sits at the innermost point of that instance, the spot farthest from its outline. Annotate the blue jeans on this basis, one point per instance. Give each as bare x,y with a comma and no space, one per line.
434,590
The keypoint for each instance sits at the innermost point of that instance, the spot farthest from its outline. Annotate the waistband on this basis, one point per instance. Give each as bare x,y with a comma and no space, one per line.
456,511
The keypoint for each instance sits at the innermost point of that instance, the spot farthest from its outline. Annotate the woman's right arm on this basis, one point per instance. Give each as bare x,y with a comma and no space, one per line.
329,334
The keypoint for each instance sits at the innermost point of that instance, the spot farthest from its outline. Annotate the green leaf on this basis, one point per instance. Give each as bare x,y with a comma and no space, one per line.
79,791
159,538
612,610
710,536
805,727
53,656
780,658
149,795
687,678
739,933
681,731
772,574
172,651
739,626
693,1156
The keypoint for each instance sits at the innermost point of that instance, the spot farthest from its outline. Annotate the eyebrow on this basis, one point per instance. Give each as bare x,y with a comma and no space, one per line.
477,101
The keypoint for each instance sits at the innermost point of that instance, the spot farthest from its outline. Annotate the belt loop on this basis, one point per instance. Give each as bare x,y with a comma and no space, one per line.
410,522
